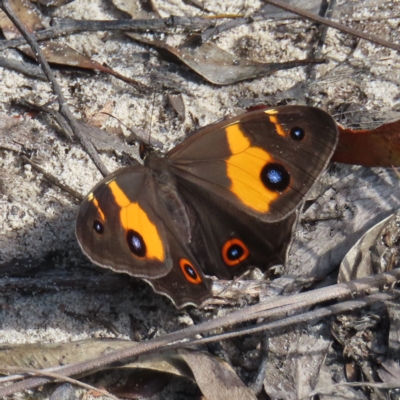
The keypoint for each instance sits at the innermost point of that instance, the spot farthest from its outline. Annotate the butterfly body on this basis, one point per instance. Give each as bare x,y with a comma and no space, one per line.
222,201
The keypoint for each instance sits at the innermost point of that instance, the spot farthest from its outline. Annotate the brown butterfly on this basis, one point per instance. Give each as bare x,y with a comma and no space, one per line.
219,203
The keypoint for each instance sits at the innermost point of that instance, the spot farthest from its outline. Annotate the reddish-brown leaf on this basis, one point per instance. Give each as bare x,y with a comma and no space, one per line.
378,147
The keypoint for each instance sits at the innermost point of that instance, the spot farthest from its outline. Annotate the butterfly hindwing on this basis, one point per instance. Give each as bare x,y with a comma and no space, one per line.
230,245
186,283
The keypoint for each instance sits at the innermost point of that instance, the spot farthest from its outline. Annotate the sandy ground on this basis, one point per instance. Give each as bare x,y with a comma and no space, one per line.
37,219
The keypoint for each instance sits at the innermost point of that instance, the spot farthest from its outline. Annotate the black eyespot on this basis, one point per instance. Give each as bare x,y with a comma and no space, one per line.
297,133
190,271
234,252
136,243
98,227
275,177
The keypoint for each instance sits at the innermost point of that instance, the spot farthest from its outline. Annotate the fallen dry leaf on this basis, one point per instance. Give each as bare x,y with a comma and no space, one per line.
216,379
216,65
139,9
378,147
375,252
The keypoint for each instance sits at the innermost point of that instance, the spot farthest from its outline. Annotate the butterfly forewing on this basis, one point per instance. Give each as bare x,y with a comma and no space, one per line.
127,224
263,162
117,225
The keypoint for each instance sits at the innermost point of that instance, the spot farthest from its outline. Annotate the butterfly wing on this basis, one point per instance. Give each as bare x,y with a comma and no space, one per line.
185,284
220,202
125,224
245,177
119,228
263,163
230,243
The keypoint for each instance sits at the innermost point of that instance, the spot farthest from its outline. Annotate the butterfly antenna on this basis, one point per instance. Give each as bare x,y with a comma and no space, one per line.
151,119
136,134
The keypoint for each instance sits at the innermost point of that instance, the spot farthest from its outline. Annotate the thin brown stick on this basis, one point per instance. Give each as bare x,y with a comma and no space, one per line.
278,326
32,371
161,25
25,68
185,24
338,292
329,389
333,24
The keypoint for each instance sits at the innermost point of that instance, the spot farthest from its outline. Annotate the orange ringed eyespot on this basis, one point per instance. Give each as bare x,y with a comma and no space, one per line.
189,271
234,251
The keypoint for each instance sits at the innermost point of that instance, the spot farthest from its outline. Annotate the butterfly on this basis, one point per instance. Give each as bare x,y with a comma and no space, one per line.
221,202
